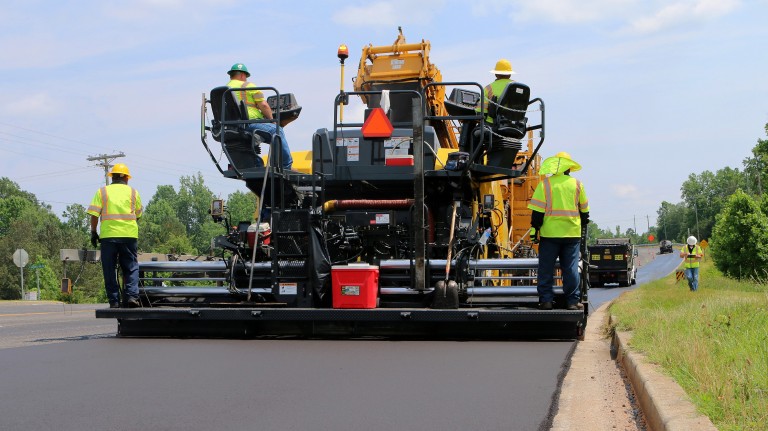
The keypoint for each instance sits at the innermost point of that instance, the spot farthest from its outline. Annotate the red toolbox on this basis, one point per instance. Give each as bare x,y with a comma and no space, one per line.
355,285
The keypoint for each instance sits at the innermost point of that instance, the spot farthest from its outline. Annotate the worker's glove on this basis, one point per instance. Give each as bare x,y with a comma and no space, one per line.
584,218
94,238
534,235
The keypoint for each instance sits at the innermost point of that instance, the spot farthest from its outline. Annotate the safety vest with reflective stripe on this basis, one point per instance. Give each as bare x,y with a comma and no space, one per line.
252,98
495,88
119,206
561,198
691,262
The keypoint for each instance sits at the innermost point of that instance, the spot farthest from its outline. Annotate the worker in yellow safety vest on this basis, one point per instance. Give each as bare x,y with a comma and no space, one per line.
503,72
118,205
258,109
692,253
559,209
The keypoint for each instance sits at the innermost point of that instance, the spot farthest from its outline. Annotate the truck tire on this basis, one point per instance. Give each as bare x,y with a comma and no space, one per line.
626,281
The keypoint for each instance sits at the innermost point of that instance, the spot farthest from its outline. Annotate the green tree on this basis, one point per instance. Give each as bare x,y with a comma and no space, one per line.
705,195
11,208
180,222
671,220
161,231
740,238
29,224
77,219
756,167
9,189
241,206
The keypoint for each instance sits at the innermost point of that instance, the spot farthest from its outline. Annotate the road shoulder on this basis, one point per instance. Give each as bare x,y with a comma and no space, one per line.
594,394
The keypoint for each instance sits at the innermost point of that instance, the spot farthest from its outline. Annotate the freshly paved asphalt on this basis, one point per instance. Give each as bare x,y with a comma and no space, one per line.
78,382
62,369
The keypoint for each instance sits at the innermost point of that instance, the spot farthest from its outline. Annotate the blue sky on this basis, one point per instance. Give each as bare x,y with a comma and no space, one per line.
640,92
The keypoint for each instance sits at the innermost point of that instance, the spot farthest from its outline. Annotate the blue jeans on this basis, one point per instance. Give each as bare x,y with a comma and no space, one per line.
568,251
271,128
692,274
123,251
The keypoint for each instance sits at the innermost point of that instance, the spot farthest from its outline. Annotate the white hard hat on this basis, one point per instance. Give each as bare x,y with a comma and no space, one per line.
691,240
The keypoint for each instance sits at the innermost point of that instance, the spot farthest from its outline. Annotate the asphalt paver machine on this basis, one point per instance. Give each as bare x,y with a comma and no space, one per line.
410,222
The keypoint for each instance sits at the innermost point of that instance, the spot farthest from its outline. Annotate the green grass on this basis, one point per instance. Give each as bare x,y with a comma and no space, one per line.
713,342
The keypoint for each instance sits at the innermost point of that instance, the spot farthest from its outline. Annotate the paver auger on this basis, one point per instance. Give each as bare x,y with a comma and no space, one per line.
412,222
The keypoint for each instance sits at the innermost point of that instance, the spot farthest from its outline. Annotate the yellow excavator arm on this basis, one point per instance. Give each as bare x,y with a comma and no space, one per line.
405,66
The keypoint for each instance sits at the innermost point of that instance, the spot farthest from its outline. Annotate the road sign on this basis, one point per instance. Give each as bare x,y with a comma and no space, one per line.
20,257
651,237
704,244
37,266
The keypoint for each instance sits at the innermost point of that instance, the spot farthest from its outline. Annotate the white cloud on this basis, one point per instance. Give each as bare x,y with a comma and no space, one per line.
379,13
682,12
639,16
39,104
567,11
387,13
625,190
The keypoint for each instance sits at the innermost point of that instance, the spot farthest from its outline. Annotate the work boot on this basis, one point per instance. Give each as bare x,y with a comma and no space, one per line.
576,306
114,304
132,303
545,306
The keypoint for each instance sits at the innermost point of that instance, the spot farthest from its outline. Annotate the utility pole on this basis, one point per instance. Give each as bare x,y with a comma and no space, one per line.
105,161
634,219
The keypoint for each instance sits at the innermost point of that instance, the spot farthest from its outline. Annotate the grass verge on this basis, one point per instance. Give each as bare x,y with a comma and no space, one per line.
713,342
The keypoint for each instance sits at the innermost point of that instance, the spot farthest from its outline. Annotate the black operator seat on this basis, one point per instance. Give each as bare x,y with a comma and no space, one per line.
242,144
502,138
508,113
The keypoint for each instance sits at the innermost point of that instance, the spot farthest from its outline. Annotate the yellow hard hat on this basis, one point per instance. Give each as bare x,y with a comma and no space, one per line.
558,164
503,67
120,169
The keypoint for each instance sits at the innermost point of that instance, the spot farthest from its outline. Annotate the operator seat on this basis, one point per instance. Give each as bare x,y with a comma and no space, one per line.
242,144
502,138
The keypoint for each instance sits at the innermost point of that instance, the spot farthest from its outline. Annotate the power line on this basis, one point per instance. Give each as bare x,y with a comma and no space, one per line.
106,162
29,141
46,134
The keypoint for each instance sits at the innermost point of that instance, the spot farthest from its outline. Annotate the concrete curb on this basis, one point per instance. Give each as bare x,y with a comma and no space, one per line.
664,403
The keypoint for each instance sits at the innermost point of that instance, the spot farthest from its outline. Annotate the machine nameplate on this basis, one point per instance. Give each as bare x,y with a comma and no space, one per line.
288,288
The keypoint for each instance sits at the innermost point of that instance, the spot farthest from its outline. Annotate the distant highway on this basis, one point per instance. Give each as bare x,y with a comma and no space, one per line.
659,267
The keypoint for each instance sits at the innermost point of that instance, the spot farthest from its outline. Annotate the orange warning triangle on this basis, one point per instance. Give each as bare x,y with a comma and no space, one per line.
377,125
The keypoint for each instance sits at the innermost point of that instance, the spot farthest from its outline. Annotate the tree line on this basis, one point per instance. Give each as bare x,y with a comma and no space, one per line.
730,209
175,221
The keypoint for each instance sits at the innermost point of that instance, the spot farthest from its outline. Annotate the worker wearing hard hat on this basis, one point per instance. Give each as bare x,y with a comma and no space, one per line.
258,108
503,72
692,253
118,205
559,210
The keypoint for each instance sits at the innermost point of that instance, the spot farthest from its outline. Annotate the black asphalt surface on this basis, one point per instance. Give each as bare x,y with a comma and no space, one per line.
171,384
62,369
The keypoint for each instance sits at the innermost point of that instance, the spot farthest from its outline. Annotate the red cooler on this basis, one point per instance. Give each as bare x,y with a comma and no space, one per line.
355,285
